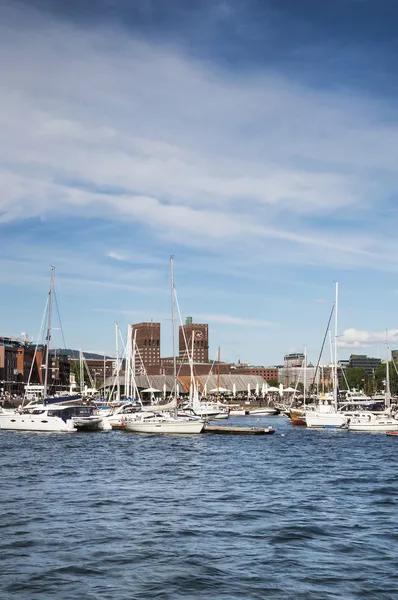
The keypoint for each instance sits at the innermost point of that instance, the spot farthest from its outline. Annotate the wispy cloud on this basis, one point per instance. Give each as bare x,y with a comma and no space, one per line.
230,320
141,154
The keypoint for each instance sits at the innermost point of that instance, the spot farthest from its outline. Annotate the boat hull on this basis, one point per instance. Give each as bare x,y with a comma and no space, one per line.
263,412
173,427
298,418
384,427
332,420
92,423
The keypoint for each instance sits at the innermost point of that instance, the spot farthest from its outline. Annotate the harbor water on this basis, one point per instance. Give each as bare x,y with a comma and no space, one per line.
301,514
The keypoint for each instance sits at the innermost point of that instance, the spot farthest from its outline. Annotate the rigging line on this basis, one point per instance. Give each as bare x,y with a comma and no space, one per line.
186,344
323,343
59,319
37,343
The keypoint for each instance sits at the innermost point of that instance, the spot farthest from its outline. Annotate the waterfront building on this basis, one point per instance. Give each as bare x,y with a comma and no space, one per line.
267,373
8,365
292,376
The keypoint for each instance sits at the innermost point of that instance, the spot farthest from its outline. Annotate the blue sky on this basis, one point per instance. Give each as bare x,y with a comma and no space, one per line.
255,141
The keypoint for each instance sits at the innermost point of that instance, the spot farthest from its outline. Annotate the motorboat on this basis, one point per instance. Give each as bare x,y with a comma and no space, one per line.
40,418
163,423
55,418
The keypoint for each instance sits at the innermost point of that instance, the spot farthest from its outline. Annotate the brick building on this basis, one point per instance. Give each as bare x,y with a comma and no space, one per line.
147,337
199,334
267,373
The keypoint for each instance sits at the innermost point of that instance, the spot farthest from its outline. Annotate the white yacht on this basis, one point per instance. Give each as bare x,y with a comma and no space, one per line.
39,418
54,418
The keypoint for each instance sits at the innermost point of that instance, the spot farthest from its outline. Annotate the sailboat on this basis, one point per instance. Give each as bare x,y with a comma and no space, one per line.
156,422
327,415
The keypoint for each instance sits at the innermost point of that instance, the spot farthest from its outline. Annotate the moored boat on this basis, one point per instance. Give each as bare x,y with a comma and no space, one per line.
163,423
297,417
372,422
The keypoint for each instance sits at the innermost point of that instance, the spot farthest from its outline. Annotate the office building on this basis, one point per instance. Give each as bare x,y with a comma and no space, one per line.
365,362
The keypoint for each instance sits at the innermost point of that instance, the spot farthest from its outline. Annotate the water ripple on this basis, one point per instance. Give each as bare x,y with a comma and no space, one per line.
307,515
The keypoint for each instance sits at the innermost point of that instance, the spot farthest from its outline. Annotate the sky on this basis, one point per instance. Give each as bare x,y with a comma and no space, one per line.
256,141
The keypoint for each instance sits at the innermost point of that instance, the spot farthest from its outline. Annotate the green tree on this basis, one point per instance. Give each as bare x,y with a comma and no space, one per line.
75,369
380,375
356,378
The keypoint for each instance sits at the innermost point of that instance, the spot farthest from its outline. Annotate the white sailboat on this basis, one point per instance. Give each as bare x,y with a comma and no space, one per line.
327,415
156,422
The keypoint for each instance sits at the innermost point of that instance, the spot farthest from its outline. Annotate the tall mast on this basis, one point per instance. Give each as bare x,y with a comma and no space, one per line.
388,393
48,337
218,374
117,363
305,375
173,326
335,383
104,376
81,371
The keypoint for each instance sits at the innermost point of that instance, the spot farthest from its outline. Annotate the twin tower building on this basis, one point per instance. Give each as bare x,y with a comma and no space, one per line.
191,336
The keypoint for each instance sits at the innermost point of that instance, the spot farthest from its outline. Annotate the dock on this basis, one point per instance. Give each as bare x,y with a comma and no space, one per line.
231,430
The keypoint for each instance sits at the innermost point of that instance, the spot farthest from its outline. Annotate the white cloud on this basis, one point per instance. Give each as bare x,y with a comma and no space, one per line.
140,133
354,338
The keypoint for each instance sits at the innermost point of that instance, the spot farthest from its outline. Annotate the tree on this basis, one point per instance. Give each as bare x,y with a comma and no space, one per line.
356,377
380,375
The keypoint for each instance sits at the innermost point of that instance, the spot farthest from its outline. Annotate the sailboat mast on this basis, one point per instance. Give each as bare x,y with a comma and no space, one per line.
335,383
117,363
305,375
173,326
48,337
218,374
81,371
104,376
388,392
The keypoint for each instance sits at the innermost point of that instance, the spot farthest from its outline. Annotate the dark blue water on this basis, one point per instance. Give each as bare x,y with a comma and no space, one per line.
115,516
